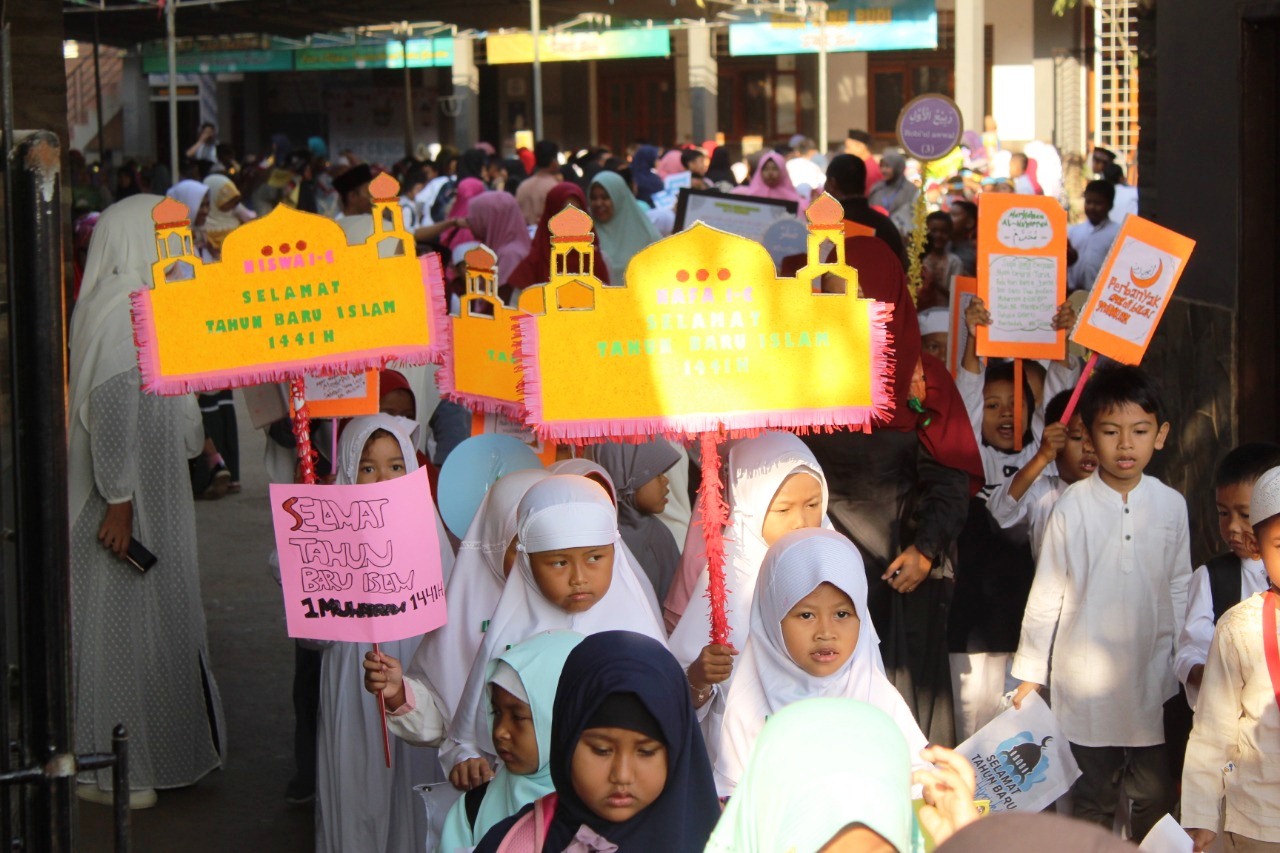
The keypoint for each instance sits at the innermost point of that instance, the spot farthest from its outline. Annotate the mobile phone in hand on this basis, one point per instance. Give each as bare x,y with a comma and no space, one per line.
139,557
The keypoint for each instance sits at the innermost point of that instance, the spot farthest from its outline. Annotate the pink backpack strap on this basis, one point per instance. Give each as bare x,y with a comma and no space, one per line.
529,833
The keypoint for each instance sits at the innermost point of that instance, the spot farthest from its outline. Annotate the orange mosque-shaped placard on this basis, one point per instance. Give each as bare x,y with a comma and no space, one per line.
289,297
704,336
479,364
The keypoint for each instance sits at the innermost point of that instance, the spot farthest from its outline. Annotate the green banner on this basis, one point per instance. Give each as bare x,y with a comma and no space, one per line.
423,53
156,61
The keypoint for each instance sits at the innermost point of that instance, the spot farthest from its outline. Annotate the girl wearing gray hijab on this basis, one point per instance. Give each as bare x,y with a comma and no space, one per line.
638,472
895,193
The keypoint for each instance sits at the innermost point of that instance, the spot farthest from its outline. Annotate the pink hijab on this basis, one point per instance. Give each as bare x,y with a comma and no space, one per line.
468,189
785,190
496,221
670,164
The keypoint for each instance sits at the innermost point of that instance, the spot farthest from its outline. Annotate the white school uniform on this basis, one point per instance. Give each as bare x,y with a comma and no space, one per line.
443,659
979,680
1234,753
1111,582
1027,517
768,677
1197,628
758,466
998,466
558,512
360,804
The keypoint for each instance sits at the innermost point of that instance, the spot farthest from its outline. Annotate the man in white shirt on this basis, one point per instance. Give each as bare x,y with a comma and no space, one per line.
1089,242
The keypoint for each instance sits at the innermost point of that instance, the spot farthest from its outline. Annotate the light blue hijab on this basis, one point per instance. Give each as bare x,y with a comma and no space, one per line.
537,662
628,231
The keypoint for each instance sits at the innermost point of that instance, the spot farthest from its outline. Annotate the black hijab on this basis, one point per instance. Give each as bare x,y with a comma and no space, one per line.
621,662
719,169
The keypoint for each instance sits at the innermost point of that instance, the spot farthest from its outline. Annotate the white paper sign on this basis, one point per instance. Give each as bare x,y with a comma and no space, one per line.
345,386
1024,296
1167,837
1022,759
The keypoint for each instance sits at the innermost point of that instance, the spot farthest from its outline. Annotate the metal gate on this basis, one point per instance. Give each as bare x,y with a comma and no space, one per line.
38,765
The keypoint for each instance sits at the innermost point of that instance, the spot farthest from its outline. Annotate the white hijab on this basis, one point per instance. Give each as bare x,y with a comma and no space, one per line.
351,447
562,511
768,679
587,468
444,657
758,466
121,253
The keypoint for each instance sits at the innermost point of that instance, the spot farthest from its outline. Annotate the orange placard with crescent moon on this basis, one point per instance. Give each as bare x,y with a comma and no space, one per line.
1132,290
703,336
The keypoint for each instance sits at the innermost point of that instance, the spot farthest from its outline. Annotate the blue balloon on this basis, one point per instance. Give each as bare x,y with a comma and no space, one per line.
471,468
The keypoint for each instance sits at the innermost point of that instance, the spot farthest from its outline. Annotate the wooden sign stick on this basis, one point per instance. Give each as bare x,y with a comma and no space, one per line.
382,715
1019,403
1075,395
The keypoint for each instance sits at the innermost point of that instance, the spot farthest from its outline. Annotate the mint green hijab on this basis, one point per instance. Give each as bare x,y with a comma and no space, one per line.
537,661
628,231
818,766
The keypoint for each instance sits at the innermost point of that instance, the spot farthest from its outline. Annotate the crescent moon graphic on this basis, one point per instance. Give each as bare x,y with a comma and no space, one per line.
1147,281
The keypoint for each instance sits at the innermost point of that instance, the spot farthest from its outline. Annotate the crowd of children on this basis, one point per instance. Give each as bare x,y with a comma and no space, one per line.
885,591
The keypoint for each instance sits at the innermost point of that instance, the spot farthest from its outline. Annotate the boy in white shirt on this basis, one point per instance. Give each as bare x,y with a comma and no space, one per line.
1230,578
1107,604
1230,779
1023,503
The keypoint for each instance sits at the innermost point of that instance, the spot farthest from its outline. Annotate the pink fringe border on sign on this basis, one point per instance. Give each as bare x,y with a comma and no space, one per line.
512,409
154,382
735,424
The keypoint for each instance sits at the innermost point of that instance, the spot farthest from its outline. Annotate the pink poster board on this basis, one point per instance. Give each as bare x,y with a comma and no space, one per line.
357,563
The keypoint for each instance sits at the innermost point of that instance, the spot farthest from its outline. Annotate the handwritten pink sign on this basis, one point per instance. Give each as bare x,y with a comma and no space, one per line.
358,563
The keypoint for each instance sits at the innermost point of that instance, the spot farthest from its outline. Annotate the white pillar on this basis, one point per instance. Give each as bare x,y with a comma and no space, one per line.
466,93
535,28
971,62
702,82
173,90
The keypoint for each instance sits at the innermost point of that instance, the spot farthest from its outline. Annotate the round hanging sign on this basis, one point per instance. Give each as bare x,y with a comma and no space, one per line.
929,126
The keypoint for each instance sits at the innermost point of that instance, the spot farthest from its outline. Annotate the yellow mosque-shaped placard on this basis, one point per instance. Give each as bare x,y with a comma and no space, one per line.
289,297
479,364
703,336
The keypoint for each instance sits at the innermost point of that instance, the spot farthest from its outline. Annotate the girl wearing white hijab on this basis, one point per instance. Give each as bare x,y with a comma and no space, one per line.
141,655
560,512
758,467
594,471
360,804
584,467
769,677
443,659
